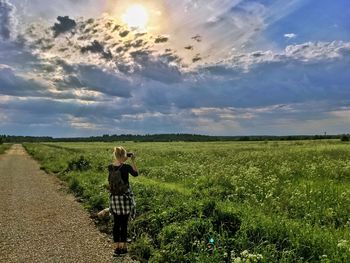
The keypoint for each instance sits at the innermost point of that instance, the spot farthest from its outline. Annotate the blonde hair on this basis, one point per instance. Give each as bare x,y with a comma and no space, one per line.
119,153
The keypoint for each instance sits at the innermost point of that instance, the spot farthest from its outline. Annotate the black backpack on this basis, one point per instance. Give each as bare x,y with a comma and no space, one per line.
117,186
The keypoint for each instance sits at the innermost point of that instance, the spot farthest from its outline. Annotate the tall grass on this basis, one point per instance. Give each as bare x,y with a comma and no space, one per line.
259,201
4,147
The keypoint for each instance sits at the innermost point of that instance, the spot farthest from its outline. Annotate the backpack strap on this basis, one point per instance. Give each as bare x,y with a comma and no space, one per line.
118,167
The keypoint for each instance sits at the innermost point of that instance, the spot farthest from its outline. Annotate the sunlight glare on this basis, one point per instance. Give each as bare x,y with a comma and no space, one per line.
136,16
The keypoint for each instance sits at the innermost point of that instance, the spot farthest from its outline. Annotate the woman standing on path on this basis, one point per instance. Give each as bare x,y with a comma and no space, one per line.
122,203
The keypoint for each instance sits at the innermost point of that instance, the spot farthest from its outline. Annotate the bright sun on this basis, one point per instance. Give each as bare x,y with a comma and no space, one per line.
136,16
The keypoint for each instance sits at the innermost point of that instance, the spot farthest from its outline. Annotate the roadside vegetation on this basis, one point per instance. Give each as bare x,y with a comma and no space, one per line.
4,147
285,201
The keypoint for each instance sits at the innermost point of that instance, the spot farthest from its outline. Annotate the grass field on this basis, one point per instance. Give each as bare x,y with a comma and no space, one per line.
259,201
4,147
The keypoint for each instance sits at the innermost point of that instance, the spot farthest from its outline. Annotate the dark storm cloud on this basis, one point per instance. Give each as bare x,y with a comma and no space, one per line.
14,84
44,106
65,24
197,38
137,35
95,78
169,57
77,81
124,33
161,39
11,84
196,58
97,47
137,43
188,47
141,55
98,112
156,68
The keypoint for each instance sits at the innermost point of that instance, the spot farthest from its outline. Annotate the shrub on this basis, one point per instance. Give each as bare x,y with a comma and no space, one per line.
81,164
75,186
98,202
142,248
344,138
226,221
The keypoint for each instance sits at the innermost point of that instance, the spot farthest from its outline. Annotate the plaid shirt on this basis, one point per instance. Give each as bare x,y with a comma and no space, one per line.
123,204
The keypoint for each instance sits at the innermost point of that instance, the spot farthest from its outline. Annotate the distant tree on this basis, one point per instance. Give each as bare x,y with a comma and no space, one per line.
1,140
344,138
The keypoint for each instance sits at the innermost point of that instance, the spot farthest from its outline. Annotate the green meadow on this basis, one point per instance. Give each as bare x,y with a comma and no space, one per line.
258,201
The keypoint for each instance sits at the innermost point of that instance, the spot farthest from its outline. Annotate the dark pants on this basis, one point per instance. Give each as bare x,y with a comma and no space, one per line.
120,228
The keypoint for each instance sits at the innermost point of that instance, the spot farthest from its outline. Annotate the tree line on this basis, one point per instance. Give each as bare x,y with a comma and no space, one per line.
167,138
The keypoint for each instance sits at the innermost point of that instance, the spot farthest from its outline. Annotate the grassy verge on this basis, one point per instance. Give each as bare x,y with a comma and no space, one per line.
4,147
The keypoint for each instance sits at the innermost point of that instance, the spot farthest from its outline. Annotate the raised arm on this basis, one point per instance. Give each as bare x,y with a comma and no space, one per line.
133,171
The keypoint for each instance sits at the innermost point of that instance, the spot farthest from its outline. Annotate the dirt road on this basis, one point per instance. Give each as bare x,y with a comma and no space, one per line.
39,221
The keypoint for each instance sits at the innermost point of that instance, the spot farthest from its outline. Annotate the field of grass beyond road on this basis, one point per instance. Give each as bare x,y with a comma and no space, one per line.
258,201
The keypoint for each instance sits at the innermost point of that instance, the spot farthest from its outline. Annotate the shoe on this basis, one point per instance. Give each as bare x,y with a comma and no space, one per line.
117,252
123,251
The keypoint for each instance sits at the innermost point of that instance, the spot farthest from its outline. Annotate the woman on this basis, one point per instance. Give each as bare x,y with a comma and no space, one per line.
122,206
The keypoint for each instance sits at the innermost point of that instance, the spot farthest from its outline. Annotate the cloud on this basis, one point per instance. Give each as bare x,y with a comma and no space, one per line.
246,20
158,69
318,50
97,112
213,99
84,81
197,38
25,85
341,112
31,10
259,80
65,24
16,85
96,47
7,19
196,58
59,117
94,43
310,51
98,81
290,35
161,39
124,33
14,54
103,81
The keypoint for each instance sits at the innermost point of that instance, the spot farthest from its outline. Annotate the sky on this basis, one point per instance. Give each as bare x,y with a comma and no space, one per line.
215,67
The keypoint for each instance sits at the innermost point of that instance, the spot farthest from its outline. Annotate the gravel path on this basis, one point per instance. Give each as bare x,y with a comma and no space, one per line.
39,221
